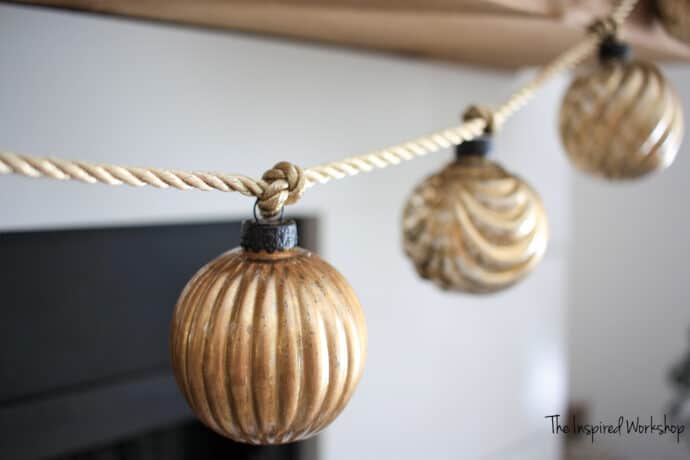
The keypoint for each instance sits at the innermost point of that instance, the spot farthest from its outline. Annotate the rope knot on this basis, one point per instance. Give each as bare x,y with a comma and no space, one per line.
483,113
604,27
285,184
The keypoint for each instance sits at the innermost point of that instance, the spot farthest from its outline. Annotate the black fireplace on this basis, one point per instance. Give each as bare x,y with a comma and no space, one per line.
84,370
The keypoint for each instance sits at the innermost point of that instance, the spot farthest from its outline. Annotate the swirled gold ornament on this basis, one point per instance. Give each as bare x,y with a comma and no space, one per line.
268,341
474,227
675,16
622,120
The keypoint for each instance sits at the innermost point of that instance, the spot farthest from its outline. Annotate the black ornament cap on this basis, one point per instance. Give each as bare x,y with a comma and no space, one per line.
268,236
612,48
480,146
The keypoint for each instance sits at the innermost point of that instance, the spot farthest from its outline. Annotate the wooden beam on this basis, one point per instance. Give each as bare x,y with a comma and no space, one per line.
496,33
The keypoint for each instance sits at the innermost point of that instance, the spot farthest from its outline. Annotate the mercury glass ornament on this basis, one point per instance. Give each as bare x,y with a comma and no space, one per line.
268,341
621,120
474,227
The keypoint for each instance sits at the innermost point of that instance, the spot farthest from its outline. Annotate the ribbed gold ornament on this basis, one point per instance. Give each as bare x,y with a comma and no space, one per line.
622,120
675,16
268,347
474,227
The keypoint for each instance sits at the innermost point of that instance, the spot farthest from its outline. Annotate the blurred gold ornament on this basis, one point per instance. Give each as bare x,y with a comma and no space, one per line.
474,227
622,120
268,341
675,16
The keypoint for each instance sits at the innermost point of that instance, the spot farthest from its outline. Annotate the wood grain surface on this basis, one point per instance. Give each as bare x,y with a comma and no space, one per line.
496,33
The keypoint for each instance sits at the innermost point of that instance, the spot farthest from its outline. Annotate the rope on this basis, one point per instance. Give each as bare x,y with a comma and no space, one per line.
285,183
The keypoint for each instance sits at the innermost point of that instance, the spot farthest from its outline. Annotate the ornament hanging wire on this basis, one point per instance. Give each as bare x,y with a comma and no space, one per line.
258,219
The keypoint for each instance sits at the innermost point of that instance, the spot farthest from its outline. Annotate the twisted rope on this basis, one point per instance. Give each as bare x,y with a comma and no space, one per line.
285,183
281,185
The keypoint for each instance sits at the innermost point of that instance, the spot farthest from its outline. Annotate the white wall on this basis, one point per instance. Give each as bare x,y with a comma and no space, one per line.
448,376
629,312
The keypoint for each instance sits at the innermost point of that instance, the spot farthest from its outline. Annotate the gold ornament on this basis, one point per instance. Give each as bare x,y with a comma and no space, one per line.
268,341
622,120
474,227
675,16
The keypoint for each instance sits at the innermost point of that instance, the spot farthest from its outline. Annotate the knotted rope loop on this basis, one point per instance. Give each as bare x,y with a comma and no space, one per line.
284,184
605,28
483,113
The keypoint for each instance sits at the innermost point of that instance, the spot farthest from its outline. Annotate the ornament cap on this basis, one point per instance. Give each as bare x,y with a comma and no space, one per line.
480,146
612,48
270,237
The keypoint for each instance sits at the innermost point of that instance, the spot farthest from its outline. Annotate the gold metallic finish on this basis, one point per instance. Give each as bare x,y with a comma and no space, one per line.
473,227
621,121
675,16
268,348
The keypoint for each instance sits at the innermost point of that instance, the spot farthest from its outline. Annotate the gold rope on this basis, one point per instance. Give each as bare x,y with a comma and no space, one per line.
285,182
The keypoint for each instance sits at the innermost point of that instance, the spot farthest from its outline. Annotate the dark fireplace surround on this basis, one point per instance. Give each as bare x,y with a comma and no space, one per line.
84,366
